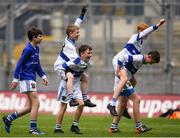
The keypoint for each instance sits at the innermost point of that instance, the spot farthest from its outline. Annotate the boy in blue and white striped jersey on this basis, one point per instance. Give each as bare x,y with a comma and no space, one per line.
85,52
133,47
131,64
25,72
69,56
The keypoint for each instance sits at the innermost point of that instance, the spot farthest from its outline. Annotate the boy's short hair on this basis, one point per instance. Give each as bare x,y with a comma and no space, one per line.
155,56
33,32
142,26
71,28
83,48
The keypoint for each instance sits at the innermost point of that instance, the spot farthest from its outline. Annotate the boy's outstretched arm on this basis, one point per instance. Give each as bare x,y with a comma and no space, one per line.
81,17
161,22
150,29
83,10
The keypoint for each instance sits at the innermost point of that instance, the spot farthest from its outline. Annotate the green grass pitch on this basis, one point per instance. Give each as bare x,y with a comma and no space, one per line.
93,126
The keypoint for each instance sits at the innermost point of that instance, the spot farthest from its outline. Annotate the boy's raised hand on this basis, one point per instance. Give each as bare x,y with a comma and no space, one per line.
83,10
161,22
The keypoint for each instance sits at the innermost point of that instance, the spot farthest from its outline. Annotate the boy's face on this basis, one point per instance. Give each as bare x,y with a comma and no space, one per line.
38,39
150,60
86,55
75,35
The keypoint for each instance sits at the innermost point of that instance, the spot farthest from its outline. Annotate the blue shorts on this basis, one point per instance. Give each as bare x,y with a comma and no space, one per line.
127,92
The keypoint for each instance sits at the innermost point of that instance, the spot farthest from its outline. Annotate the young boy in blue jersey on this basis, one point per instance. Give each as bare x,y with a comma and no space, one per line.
128,91
133,47
25,73
69,57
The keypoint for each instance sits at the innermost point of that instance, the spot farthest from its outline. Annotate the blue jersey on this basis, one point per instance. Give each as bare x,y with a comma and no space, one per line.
29,64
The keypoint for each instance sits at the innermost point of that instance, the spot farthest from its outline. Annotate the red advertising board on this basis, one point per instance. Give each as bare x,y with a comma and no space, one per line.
150,106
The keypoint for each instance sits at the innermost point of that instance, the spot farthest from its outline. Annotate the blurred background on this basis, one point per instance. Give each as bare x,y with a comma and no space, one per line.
107,27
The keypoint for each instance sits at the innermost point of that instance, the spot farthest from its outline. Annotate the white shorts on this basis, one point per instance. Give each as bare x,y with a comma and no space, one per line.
62,91
61,74
128,87
127,90
59,69
117,80
27,86
115,65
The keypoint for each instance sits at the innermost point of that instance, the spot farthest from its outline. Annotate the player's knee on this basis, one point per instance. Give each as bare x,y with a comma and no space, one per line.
123,105
70,76
36,103
137,100
81,103
63,107
124,79
29,109
80,107
85,77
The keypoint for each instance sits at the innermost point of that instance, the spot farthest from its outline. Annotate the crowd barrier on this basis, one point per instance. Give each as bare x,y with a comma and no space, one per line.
150,105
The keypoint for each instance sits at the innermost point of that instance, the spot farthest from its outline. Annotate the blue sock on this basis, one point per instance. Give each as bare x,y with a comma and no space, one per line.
75,123
33,124
113,101
114,125
58,126
12,116
138,124
85,97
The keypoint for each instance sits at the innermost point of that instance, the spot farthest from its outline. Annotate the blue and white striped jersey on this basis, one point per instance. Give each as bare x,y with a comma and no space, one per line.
133,47
78,72
68,55
131,62
28,64
135,43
